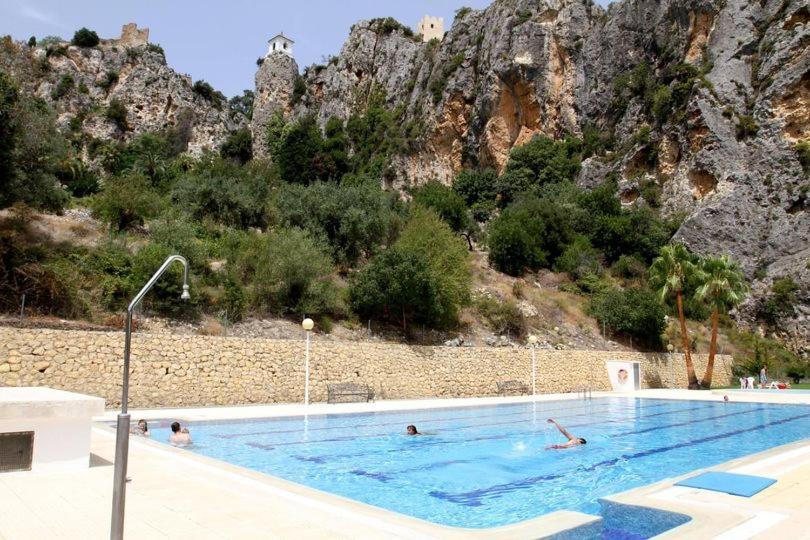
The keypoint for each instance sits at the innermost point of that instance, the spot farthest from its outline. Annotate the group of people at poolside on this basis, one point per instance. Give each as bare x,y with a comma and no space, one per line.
180,436
572,441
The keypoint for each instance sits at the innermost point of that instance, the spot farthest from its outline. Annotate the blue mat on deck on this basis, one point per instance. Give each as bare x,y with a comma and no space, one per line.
735,484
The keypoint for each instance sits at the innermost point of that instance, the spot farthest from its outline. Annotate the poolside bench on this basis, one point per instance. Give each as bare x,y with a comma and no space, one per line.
347,393
512,388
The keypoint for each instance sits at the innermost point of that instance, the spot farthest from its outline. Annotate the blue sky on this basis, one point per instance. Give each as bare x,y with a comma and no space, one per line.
215,40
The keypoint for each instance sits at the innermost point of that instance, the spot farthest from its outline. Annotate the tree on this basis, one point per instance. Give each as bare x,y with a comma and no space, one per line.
225,192
669,274
292,273
85,38
448,259
31,150
529,235
478,189
634,311
355,220
126,201
448,205
242,105
395,286
723,288
238,146
548,160
299,151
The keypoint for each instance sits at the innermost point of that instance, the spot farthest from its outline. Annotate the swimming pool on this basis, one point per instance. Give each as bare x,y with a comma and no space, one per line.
487,466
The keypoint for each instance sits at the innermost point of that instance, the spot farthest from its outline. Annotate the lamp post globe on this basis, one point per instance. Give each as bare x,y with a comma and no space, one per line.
307,324
532,342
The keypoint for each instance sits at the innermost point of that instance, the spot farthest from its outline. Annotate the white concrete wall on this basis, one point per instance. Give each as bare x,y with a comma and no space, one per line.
60,444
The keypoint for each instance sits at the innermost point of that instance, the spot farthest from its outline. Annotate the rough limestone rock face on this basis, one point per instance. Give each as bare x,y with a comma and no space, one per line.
726,161
80,83
275,84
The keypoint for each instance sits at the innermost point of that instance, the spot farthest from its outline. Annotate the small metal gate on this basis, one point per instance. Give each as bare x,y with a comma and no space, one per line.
16,451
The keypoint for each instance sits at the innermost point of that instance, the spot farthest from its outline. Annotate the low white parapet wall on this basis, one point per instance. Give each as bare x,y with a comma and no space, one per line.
60,422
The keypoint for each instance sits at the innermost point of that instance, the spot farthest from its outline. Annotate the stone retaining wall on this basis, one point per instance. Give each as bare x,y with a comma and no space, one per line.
173,371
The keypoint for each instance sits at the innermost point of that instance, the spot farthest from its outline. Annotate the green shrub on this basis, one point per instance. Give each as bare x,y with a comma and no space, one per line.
126,202
439,82
299,89
445,202
635,231
31,150
292,274
780,302
462,12
502,317
238,146
632,312
109,80
592,284
448,261
802,149
528,235
389,25
117,113
355,220
579,259
546,160
225,192
234,301
746,127
32,41
207,92
85,38
79,179
180,236
396,286
64,86
155,48
522,15
628,267
298,153
242,105
661,104
476,186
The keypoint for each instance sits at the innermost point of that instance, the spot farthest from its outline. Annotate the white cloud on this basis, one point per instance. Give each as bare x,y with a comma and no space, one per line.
41,16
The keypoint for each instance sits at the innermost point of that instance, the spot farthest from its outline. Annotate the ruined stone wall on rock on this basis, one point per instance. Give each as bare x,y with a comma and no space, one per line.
174,371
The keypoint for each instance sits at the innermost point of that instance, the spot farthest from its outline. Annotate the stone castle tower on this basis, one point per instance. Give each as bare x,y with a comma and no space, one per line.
275,81
431,28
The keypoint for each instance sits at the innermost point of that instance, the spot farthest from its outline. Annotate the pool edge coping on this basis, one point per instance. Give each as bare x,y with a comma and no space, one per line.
703,518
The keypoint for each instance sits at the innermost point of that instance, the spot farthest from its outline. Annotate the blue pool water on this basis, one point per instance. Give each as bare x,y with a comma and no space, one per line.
487,466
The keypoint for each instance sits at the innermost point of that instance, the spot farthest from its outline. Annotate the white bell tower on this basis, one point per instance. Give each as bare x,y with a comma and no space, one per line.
280,44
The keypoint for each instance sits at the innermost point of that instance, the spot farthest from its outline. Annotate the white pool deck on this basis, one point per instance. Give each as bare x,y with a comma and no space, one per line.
174,493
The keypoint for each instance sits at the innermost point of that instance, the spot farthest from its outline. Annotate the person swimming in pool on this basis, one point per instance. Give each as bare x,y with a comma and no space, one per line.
572,441
411,430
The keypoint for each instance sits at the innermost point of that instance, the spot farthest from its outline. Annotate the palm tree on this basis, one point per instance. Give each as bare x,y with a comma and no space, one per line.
669,274
723,287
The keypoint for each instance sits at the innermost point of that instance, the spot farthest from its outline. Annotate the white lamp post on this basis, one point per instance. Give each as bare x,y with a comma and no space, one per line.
308,324
532,342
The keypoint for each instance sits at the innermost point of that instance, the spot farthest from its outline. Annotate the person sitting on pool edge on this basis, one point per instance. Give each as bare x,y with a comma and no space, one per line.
411,430
572,441
179,437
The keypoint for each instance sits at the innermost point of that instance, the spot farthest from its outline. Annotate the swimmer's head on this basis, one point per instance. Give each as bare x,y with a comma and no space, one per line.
412,430
582,441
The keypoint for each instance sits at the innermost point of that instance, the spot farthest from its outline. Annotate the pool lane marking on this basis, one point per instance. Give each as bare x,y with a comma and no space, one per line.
440,464
423,419
423,442
688,422
474,498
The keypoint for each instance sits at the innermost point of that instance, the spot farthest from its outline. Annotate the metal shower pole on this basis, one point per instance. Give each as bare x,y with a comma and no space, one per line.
122,428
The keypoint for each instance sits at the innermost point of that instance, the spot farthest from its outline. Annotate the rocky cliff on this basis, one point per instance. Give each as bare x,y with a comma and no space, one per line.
702,100
80,84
